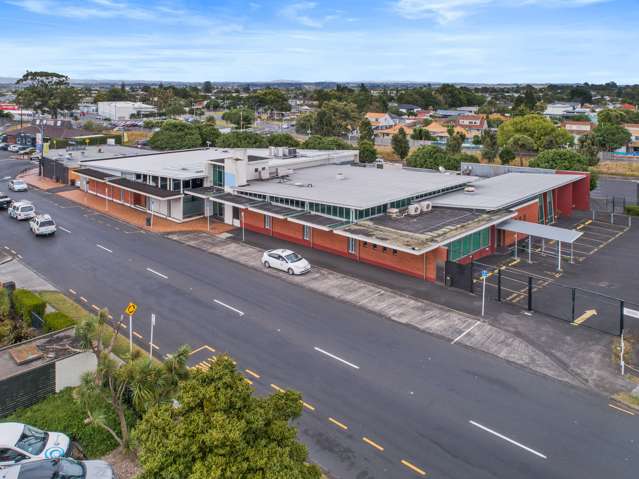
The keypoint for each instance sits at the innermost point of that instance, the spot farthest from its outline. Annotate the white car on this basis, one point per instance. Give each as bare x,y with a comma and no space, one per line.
286,260
14,147
42,225
21,210
21,443
62,468
18,185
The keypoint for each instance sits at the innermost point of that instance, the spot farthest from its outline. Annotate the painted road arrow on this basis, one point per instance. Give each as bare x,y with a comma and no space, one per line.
587,314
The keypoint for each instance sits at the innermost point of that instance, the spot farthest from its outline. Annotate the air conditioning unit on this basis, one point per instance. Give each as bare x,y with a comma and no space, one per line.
393,212
426,206
414,210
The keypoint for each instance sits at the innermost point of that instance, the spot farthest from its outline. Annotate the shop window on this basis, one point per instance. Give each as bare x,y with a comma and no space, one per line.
267,222
307,232
395,252
352,245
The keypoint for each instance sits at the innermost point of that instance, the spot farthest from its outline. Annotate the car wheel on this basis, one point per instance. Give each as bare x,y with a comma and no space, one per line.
290,271
267,265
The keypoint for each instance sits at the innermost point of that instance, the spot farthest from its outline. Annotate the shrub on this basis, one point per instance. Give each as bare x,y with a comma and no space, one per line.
632,210
25,302
61,412
5,304
56,321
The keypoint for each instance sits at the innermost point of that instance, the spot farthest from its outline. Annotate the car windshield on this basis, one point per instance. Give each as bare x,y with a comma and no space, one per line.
46,223
70,469
27,209
32,440
18,183
293,257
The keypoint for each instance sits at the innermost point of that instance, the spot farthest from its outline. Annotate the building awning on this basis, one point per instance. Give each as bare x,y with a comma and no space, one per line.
317,221
94,174
144,189
275,210
218,195
548,232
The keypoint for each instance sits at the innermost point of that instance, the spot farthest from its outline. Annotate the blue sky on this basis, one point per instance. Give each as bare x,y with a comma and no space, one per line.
315,40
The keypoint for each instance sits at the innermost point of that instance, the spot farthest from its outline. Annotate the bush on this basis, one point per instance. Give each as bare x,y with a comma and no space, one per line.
241,139
56,321
61,412
317,142
5,304
632,210
25,302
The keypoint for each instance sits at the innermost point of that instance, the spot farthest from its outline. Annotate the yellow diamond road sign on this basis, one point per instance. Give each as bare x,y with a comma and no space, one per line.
131,309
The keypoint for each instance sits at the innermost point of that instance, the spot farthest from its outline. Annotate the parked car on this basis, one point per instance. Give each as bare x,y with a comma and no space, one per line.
4,146
286,260
61,468
20,443
14,147
5,201
18,185
21,210
42,225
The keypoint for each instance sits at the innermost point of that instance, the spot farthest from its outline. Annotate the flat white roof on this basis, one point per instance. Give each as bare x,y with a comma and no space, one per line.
504,191
361,187
541,231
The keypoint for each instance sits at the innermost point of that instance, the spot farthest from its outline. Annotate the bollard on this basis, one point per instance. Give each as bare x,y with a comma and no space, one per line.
499,285
529,293
572,314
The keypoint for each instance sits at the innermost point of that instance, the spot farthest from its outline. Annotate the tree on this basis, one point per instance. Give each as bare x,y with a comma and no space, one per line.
561,159
490,148
209,135
610,136
367,151
305,123
542,131
317,142
506,155
366,132
282,139
176,135
421,134
325,124
455,140
207,87
580,93
218,429
242,139
363,98
400,144
611,116
527,101
240,117
345,116
432,157
269,99
521,144
174,107
588,147
46,92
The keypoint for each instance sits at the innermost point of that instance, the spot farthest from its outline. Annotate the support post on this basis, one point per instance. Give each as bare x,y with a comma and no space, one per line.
572,253
543,246
151,341
499,285
130,334
572,308
621,314
483,296
529,249
622,348
515,245
530,293
558,255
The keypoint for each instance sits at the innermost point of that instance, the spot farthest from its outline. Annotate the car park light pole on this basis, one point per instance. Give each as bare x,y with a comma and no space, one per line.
151,342
484,275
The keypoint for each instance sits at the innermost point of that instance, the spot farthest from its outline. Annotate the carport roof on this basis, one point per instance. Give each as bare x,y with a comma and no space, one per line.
540,231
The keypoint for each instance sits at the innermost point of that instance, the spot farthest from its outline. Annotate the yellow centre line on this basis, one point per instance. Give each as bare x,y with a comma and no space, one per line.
621,409
338,424
253,373
248,381
308,406
137,335
277,388
373,443
413,467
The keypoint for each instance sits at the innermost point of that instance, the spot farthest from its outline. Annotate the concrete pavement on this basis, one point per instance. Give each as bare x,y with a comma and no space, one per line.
431,406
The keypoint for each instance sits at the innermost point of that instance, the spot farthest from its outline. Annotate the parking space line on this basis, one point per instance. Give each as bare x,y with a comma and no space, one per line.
103,248
201,348
308,406
137,335
64,229
241,313
373,444
464,333
413,467
83,299
621,409
338,424
72,291
337,358
507,439
156,273
95,307
252,373
277,388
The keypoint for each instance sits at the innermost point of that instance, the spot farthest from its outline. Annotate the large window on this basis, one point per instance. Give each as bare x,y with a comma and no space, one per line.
330,210
352,245
218,175
370,212
307,232
468,244
267,222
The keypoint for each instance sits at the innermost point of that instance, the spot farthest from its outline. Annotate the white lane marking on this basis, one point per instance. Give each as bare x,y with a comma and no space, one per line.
20,256
319,350
159,274
6,247
72,291
105,249
507,439
64,229
13,251
229,307
6,178
464,333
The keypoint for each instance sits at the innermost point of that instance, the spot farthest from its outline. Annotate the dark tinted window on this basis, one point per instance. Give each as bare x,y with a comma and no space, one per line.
9,455
33,439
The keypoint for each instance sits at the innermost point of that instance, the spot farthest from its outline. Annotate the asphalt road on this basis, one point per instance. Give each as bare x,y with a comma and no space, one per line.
370,384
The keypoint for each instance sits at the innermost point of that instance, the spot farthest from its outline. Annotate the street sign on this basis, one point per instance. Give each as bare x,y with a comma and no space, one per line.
484,274
631,312
131,309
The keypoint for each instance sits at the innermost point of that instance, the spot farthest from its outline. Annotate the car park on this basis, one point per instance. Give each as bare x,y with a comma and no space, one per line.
60,468
285,260
20,443
21,210
18,185
5,201
42,225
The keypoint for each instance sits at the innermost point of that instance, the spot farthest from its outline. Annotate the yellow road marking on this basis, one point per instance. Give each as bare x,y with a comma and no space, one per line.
252,373
513,263
308,406
587,222
72,291
110,317
373,443
621,409
338,424
122,325
95,307
413,467
587,314
137,335
277,388
248,381
208,348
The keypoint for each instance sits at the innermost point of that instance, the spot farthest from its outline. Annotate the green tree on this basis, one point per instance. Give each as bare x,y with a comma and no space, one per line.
173,108
527,101
490,148
325,124
363,98
305,123
455,141
562,159
270,99
209,135
580,93
366,132
242,139
432,157
506,155
240,117
611,116
588,147
367,151
46,92
217,429
542,131
400,144
521,144
345,115
282,139
207,87
420,133
316,142
610,136
176,135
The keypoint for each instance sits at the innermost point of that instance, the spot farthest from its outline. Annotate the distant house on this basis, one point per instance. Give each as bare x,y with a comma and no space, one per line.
566,109
577,128
633,146
449,113
123,110
473,124
380,120
408,108
60,131
628,106
389,132
440,131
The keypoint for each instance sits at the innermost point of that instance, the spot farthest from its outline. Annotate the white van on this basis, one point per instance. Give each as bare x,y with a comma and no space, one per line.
22,210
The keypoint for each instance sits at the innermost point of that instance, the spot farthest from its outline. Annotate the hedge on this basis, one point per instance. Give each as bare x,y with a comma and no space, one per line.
5,304
93,141
25,302
56,321
61,412
632,210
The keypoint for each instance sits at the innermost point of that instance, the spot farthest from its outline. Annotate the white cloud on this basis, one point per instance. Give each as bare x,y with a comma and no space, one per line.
445,11
301,12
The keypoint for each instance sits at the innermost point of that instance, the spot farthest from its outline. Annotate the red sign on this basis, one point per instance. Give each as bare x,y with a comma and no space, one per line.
8,107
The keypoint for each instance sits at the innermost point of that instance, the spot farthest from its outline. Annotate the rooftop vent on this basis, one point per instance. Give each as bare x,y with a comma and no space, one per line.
469,189
414,209
393,212
340,176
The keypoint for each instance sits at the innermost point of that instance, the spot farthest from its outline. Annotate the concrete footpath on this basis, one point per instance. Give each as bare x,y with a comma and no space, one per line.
454,326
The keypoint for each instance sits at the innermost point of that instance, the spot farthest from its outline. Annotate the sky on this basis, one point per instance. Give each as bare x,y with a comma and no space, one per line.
475,41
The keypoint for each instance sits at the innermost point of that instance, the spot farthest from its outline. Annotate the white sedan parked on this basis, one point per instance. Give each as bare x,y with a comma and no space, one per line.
18,185
22,443
286,260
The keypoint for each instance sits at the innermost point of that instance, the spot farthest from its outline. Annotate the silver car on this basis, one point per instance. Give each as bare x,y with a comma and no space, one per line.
61,468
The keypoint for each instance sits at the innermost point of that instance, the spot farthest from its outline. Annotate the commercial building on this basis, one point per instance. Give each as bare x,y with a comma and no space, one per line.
414,221
123,110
